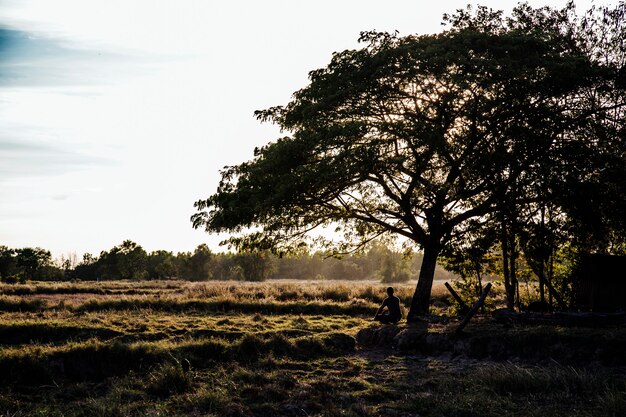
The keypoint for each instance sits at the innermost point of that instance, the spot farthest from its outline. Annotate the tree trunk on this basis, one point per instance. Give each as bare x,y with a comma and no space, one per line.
542,295
479,280
513,268
480,286
504,240
421,299
551,273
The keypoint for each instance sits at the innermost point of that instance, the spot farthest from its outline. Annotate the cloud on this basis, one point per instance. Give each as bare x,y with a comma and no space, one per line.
30,59
50,87
21,158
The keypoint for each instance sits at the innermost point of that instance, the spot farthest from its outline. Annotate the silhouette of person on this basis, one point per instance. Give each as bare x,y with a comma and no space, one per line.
393,313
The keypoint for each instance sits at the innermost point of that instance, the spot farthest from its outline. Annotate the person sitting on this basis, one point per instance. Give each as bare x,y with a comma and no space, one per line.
393,313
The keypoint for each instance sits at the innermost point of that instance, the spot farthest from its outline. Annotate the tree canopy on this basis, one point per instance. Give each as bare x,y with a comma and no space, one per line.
422,136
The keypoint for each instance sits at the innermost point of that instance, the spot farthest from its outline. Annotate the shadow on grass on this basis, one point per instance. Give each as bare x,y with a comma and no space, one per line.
95,361
471,376
25,333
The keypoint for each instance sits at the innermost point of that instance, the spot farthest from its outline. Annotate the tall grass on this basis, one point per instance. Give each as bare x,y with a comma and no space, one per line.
281,291
95,360
91,287
267,298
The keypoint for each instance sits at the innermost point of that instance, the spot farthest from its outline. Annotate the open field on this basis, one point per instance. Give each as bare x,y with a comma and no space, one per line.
283,349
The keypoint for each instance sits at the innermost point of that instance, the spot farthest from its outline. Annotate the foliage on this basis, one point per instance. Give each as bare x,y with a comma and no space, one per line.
392,266
202,265
161,264
7,262
254,265
25,264
196,266
426,137
125,261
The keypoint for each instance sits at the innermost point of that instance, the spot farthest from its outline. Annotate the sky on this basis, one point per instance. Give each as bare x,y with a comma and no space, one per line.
117,115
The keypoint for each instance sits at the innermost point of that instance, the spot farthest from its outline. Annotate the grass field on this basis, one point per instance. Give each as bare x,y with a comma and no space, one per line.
283,349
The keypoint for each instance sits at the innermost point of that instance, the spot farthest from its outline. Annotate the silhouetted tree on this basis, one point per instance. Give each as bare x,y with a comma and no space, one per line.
197,266
125,261
87,269
31,261
418,136
7,262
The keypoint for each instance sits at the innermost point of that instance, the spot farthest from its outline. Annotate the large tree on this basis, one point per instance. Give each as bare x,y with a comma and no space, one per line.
417,136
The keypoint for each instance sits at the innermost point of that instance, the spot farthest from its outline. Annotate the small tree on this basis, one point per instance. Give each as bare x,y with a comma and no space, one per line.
87,269
472,259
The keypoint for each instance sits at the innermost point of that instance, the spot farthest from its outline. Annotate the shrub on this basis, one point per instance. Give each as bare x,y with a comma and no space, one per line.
339,342
169,378
280,345
250,347
310,346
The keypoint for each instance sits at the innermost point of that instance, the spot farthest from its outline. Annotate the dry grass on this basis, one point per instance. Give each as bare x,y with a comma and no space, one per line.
353,298
276,348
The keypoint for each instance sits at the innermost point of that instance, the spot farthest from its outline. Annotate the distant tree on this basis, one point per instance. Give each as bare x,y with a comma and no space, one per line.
388,265
125,261
254,265
87,269
197,266
67,264
344,268
296,266
31,261
7,262
418,136
88,258
394,268
161,264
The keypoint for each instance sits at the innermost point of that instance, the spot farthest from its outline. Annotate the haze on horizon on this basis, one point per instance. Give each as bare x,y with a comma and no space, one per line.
115,116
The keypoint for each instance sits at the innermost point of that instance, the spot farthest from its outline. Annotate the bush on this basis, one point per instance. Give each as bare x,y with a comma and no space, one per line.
169,378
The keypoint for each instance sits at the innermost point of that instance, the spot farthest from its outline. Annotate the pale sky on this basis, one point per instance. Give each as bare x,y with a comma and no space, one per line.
117,115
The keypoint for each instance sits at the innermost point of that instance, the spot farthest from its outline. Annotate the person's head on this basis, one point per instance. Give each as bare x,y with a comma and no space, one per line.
390,291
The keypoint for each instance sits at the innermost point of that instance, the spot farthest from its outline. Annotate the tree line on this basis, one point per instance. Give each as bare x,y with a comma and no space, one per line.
129,260
469,267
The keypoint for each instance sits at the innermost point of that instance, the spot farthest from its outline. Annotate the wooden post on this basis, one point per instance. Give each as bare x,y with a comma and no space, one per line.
556,295
464,307
474,309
